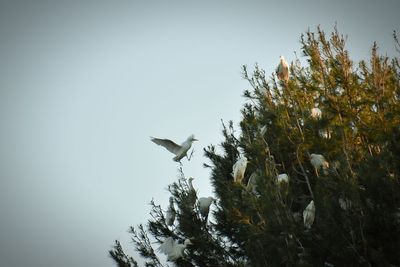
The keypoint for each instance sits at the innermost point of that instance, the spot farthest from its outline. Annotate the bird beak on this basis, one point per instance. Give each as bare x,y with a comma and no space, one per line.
195,139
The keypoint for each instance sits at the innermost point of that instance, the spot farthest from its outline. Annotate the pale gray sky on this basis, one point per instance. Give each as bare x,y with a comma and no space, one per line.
83,84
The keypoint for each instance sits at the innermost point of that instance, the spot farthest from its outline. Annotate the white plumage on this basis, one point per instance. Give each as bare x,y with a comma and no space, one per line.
318,161
204,205
170,214
282,71
309,215
282,178
316,113
239,169
180,151
173,249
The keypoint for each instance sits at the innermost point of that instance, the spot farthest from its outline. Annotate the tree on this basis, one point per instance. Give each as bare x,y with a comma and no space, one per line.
323,156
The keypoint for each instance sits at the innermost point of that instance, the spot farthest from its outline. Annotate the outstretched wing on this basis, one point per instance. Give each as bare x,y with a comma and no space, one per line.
168,144
167,247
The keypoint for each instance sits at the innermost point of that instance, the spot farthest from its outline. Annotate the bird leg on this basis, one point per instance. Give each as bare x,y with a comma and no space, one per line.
190,156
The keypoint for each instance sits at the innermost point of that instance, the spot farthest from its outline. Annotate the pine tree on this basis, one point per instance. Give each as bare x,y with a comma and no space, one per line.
323,156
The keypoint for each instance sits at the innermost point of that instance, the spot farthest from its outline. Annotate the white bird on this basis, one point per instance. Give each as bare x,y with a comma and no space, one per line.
318,161
309,215
282,71
173,249
204,205
180,151
282,178
170,215
316,113
238,169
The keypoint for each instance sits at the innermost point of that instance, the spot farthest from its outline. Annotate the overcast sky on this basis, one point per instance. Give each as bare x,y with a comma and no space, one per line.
83,84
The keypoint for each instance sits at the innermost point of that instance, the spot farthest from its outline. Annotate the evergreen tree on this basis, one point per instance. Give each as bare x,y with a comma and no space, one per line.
322,183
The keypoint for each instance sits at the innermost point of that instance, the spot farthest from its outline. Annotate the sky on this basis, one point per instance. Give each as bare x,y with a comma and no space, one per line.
84,84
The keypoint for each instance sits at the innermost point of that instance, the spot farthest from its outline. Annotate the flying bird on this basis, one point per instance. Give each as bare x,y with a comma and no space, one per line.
318,161
238,169
316,113
204,205
173,249
282,71
180,151
309,215
170,215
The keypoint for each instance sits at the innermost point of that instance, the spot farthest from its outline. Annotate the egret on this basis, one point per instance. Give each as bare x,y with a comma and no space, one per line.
316,113
282,71
170,215
173,249
282,178
238,169
318,161
309,215
204,205
180,151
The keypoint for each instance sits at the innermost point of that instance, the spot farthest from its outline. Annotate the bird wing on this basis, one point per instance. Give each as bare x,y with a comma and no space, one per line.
167,247
168,144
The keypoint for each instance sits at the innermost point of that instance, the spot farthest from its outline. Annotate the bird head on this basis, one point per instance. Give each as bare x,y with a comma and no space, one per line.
281,58
191,138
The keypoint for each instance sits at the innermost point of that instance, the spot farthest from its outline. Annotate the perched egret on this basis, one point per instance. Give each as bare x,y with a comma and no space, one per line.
282,71
283,182
282,178
318,161
252,183
204,205
316,113
238,169
173,249
179,150
309,215
170,215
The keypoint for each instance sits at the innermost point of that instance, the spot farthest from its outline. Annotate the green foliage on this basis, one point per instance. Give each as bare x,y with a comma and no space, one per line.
357,197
